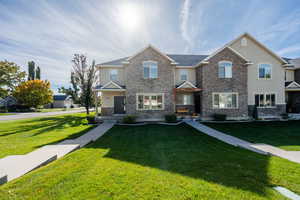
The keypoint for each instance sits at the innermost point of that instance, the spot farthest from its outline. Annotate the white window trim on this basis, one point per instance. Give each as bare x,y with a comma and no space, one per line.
184,72
237,99
110,73
225,61
149,61
266,79
150,94
265,93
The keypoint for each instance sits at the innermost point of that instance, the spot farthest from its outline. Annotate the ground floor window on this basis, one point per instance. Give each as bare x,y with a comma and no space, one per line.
225,100
265,100
184,99
150,101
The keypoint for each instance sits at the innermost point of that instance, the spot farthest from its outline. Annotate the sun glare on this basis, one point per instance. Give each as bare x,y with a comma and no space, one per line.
129,16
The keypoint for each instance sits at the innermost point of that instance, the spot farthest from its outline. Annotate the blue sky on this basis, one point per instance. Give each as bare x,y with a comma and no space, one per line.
50,32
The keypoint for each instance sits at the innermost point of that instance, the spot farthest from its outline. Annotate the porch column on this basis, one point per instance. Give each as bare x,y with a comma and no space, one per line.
96,103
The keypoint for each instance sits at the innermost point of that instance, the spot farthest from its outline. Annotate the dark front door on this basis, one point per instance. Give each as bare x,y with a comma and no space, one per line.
119,104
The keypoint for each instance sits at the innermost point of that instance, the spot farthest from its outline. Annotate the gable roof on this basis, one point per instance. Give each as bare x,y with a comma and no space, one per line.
186,84
259,43
295,62
111,85
292,84
115,62
220,50
195,60
155,49
187,60
180,59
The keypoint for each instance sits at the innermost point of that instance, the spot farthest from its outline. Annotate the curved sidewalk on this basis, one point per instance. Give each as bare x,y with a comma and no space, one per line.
14,166
265,149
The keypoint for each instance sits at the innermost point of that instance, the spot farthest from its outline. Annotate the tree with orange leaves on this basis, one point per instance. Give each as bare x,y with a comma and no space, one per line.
34,93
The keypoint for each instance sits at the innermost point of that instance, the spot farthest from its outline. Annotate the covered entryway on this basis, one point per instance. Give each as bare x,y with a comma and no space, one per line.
119,104
187,99
292,95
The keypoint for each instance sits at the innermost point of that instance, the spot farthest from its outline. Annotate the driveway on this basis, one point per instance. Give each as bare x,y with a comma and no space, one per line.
32,115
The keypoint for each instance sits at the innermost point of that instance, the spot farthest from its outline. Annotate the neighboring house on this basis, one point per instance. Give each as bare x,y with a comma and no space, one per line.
8,101
241,78
60,101
292,85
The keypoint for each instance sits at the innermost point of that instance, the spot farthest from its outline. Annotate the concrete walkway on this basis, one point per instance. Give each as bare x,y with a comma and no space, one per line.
258,148
32,115
12,167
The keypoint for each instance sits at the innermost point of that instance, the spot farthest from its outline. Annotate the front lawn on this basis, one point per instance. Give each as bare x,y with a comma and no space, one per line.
45,110
23,136
157,162
5,114
285,135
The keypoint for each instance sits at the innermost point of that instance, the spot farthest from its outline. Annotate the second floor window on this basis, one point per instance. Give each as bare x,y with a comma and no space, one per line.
150,69
183,75
225,69
264,71
113,75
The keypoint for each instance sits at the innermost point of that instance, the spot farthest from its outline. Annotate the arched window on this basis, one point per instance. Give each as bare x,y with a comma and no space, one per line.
225,69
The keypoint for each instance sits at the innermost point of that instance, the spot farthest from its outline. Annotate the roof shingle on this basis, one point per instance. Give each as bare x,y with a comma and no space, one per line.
181,59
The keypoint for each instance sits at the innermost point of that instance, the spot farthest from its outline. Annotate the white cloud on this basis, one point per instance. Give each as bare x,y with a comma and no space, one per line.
289,50
184,16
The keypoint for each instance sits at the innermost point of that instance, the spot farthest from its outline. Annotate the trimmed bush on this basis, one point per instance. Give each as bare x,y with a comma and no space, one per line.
171,118
129,119
3,110
91,119
20,108
219,117
285,115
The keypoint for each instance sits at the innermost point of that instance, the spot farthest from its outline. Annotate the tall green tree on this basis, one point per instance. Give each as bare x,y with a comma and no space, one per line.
31,70
38,73
73,91
10,77
86,79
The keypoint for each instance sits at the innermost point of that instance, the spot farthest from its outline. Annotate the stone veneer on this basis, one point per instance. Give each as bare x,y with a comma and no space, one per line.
207,79
267,112
107,111
135,83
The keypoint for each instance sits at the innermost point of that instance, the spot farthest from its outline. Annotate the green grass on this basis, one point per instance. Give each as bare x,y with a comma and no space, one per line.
285,135
157,162
4,114
45,110
23,136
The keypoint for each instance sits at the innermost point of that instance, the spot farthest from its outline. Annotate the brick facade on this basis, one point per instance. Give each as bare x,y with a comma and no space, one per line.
207,79
135,83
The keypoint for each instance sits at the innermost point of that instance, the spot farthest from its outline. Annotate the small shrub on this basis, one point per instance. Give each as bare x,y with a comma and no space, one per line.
171,118
219,117
285,115
129,119
3,110
20,108
91,119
